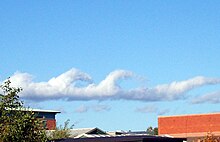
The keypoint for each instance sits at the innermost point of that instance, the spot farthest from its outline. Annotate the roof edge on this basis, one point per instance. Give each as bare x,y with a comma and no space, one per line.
214,113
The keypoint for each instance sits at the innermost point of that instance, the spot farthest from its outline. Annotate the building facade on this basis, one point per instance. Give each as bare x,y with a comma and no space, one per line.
48,116
189,126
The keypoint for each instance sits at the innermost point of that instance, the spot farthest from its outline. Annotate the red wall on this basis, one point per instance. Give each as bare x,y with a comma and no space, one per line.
189,124
51,124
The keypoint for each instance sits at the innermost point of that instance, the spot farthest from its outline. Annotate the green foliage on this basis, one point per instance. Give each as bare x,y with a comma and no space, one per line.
17,123
155,131
61,132
152,131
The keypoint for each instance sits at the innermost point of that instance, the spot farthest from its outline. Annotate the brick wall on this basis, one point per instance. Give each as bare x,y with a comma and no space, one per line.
189,124
51,124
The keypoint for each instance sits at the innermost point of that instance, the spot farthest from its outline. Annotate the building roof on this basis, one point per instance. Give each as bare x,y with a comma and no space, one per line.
43,110
181,115
87,132
193,125
128,133
139,138
35,110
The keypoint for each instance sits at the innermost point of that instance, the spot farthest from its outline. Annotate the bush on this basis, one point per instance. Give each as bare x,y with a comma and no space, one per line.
210,138
61,132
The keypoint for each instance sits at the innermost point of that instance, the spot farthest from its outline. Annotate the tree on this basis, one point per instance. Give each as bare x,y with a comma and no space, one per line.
155,131
61,132
210,138
17,123
152,131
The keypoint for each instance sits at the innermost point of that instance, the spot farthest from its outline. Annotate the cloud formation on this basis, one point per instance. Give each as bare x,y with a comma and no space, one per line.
147,109
96,108
213,97
65,86
152,109
81,109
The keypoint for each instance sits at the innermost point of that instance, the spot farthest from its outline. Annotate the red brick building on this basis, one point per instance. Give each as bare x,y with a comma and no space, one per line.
186,126
48,116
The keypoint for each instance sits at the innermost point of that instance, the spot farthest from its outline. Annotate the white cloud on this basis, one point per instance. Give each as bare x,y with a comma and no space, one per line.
213,97
100,108
65,86
163,112
152,109
176,88
172,91
147,109
96,108
81,109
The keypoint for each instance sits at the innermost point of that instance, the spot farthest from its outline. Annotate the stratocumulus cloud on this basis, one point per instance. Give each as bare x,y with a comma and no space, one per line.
147,109
65,86
152,109
96,108
213,97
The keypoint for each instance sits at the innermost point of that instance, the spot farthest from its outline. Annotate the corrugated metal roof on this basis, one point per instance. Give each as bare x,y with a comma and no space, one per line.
91,136
85,132
123,139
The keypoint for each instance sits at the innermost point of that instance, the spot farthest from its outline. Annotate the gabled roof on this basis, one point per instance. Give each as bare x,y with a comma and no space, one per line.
139,138
86,132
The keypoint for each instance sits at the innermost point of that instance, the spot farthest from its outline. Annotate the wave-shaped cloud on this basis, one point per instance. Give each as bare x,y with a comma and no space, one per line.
173,91
213,97
65,86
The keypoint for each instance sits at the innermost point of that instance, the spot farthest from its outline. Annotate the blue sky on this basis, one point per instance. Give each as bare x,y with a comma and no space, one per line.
116,65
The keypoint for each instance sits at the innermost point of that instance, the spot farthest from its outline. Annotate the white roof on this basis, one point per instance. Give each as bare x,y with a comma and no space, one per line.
44,110
91,136
80,132
35,110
